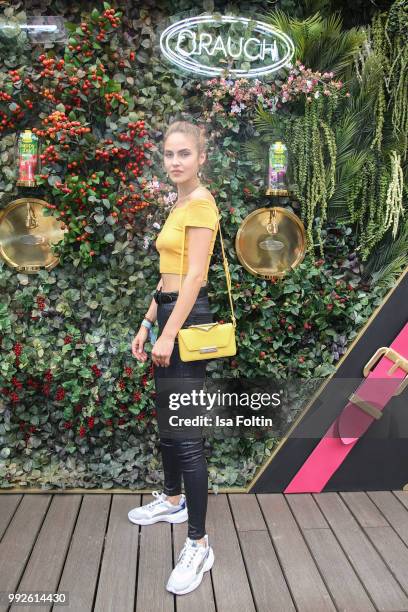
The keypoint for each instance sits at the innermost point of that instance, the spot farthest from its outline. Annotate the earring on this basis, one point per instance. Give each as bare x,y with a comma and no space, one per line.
200,174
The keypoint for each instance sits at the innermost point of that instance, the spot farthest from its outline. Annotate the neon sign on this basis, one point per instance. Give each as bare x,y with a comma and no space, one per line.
40,28
259,51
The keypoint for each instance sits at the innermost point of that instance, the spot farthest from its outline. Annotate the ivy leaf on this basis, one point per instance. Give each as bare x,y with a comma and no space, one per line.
325,369
27,465
143,57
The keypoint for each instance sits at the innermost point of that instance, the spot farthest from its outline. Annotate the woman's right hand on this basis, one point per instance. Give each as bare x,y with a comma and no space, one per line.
138,344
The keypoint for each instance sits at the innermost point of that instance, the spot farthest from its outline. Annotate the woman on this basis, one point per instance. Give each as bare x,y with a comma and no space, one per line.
195,213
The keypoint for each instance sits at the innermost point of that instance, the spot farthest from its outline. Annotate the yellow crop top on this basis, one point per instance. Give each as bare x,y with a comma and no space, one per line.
169,242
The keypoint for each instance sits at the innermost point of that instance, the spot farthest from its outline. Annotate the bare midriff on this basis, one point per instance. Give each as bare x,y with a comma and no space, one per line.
171,282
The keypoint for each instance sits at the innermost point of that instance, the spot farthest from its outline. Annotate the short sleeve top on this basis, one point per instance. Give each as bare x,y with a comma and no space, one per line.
169,243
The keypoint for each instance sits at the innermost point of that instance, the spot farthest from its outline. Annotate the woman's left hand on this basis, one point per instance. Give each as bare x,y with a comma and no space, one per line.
162,350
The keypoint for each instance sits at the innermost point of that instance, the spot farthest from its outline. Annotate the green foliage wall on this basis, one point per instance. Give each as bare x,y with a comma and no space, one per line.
75,408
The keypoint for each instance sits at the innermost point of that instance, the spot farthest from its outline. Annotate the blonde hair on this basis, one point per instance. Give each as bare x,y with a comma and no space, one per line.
186,127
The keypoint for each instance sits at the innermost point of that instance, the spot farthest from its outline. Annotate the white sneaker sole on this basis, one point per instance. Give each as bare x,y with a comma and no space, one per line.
207,566
174,517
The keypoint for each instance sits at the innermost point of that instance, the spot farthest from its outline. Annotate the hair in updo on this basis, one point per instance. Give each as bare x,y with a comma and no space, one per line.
186,127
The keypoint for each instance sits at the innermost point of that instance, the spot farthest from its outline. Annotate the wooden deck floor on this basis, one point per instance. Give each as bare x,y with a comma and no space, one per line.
273,552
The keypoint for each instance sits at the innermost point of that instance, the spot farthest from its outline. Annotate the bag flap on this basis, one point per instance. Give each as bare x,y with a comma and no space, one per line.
220,335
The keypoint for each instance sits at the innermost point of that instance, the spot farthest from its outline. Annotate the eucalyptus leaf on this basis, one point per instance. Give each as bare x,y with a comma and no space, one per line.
53,179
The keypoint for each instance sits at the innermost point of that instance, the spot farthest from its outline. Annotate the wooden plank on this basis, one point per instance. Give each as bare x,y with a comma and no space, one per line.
328,555
402,496
382,535
80,574
230,581
364,510
18,540
8,506
202,598
117,579
155,566
305,583
269,588
395,512
346,589
381,585
47,558
306,511
246,512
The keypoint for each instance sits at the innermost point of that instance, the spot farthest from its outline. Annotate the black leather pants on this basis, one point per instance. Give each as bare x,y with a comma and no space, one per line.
183,449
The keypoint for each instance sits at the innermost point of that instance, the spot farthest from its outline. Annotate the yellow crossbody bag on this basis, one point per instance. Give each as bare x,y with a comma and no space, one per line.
208,340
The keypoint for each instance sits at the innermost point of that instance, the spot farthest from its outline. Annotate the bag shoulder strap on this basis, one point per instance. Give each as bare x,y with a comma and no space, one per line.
226,268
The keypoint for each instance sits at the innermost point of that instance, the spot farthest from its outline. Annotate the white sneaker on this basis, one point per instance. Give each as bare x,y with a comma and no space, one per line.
193,560
159,510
